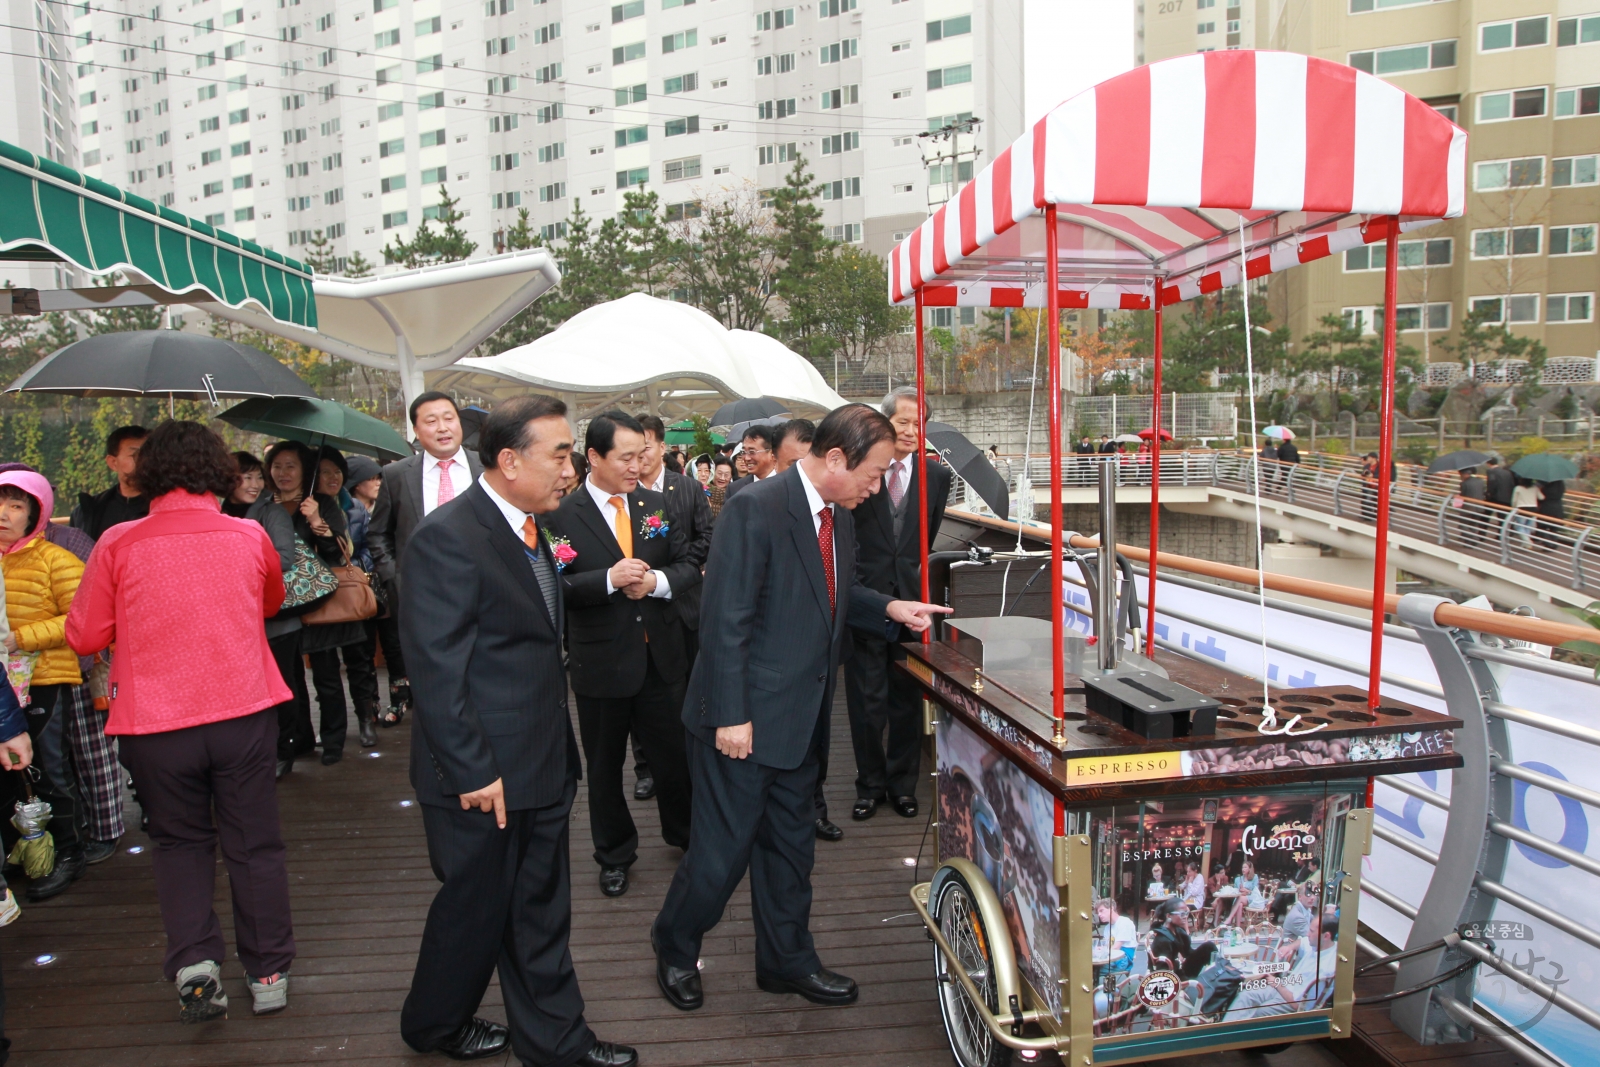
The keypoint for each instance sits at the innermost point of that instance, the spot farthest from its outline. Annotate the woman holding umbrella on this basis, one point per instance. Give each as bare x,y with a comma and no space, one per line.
320,522
327,643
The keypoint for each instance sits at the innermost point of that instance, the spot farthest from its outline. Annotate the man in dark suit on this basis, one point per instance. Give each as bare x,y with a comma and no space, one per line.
493,759
780,592
409,490
882,699
625,643
760,451
1501,483
689,510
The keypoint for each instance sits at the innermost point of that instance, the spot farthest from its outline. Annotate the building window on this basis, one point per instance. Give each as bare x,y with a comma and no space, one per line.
435,175
939,29
551,152
552,192
1433,252
1523,307
1569,307
1575,170
397,147
546,34
211,189
386,39
777,153
431,138
243,181
849,233
942,318
630,94
689,209
627,53
960,75
841,189
429,26
683,83
1572,240
1515,241
679,127
333,196
392,219
1522,33
628,179
1203,28
244,214
623,12
209,157
677,42
833,99
841,142
832,9
216,220
1583,100
553,231
505,161
1516,104
393,184
674,170
1406,58
1509,174
1585,30
838,53
631,135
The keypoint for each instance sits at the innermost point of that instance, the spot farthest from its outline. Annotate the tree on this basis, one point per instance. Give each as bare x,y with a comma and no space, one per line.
319,254
426,247
651,253
1210,340
357,266
848,294
726,258
521,235
1481,341
1350,364
799,243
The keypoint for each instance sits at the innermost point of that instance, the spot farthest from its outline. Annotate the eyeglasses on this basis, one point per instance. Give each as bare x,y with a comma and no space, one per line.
757,452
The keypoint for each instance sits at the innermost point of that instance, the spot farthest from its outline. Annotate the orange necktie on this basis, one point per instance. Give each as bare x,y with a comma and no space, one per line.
623,528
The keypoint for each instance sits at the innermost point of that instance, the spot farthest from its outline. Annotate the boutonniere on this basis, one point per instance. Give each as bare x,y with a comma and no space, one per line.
654,525
561,551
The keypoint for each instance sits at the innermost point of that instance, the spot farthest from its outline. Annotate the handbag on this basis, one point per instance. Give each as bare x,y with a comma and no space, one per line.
352,601
307,583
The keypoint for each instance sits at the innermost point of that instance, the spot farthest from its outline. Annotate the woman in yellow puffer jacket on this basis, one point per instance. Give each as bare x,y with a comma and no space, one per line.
41,580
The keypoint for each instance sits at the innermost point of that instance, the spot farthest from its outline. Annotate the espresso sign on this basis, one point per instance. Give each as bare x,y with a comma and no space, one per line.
1100,770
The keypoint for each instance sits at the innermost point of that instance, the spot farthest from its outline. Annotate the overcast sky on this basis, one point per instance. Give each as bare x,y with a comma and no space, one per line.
1073,44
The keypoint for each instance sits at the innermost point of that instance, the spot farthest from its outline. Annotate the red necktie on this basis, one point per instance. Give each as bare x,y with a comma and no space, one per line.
447,488
825,543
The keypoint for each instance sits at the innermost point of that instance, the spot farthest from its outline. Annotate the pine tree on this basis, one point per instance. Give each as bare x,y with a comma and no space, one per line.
427,247
357,266
521,235
319,254
800,244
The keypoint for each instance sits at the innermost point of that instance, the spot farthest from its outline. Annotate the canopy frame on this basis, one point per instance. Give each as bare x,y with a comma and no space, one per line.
1394,164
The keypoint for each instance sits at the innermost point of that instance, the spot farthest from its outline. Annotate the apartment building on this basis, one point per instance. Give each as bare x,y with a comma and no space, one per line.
277,118
35,65
1523,78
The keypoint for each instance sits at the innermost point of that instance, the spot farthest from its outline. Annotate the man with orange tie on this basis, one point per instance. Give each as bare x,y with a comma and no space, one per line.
625,562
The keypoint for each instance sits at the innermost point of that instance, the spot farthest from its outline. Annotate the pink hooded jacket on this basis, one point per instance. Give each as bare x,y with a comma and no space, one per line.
183,592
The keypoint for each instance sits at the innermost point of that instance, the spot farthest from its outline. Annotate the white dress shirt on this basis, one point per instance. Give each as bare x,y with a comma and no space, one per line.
602,500
814,502
460,478
515,516
660,484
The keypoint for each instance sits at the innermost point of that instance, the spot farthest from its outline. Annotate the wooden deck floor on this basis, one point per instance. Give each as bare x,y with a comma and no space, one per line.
361,887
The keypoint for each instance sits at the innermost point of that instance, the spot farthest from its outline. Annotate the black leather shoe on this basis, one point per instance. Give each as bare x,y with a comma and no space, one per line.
866,808
606,1054
680,986
827,831
369,734
613,881
477,1040
905,807
824,987
644,789
284,767
69,868
330,758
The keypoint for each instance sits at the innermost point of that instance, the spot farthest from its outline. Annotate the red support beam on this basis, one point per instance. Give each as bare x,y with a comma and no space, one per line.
1380,544
1052,288
922,465
1155,483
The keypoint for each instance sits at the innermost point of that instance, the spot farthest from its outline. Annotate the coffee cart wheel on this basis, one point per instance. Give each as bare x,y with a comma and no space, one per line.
983,945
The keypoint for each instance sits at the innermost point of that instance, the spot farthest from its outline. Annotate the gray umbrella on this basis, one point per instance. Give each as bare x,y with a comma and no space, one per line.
736,431
1458,460
745,410
187,366
968,460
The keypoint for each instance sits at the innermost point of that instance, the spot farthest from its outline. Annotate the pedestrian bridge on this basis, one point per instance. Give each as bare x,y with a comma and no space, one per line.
1516,560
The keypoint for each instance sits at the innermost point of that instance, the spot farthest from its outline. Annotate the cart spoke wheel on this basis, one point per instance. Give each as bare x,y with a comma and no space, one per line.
962,926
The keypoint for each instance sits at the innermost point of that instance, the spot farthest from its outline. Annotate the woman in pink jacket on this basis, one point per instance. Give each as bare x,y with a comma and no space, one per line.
191,698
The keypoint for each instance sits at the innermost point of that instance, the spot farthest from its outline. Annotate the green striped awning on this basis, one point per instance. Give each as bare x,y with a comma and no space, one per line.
100,229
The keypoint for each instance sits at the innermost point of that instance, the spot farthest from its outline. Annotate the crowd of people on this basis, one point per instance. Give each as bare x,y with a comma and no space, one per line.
492,581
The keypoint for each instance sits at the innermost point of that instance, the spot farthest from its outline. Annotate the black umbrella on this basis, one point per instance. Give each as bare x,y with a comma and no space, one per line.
968,460
736,431
760,407
1458,460
471,424
188,366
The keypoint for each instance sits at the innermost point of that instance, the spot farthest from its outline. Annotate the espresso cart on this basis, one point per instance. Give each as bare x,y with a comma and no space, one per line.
1068,772
1037,824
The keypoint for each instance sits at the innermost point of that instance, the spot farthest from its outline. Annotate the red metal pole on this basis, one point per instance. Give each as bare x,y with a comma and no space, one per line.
1155,481
1052,303
1380,545
922,466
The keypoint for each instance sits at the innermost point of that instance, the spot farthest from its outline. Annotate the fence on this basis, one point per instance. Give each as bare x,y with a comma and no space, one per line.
1190,416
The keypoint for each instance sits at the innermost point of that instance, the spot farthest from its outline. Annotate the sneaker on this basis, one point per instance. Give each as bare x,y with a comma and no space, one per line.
200,995
10,910
99,851
269,994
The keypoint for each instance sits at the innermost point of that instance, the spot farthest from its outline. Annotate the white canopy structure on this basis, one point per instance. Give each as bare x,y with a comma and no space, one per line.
413,321
641,351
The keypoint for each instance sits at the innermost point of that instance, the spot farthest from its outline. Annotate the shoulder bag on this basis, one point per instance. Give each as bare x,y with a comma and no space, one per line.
307,584
352,601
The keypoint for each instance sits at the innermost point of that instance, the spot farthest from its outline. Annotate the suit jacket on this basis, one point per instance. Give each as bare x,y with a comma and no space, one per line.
738,484
484,659
689,508
1501,483
769,646
888,564
606,632
398,510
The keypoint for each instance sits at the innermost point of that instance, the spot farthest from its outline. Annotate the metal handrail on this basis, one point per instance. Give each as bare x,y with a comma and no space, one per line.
1422,793
1544,844
1380,893
1537,910
1547,723
1545,781
1426,854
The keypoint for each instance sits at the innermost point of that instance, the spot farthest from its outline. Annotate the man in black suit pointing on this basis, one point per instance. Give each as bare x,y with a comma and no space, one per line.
493,759
780,593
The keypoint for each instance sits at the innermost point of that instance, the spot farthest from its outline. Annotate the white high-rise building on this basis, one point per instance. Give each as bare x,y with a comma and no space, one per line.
37,70
276,118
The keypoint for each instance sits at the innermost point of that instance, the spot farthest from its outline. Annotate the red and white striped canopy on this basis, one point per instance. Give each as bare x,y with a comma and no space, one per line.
1154,170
